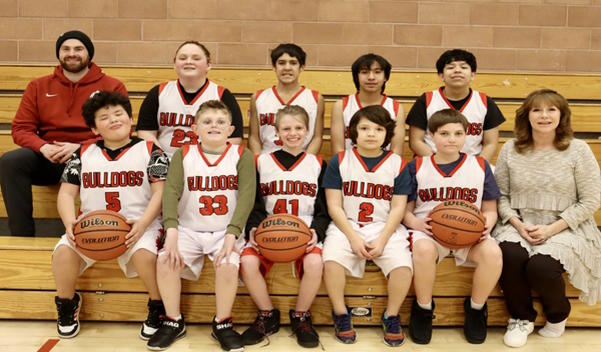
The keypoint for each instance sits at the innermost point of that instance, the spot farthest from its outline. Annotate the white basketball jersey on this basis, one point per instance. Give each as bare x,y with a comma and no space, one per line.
175,116
210,189
464,182
351,104
268,102
474,110
290,191
367,194
119,185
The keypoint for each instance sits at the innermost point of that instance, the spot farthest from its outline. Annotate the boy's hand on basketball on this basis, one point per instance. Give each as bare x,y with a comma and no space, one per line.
423,226
251,239
172,255
137,230
69,224
312,242
226,250
360,247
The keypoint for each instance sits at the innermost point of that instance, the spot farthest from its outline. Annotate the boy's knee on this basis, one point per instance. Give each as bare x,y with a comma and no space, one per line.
489,254
249,264
312,263
424,251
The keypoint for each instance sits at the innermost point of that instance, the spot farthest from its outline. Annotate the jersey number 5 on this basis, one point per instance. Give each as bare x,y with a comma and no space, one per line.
112,201
209,207
365,210
281,207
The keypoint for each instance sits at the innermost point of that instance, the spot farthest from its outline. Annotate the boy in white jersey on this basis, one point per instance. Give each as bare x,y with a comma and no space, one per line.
370,74
366,192
209,193
288,61
88,174
450,174
289,182
457,69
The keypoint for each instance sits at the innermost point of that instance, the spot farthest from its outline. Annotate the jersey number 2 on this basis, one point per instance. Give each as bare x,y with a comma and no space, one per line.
209,207
281,207
112,201
365,210
179,138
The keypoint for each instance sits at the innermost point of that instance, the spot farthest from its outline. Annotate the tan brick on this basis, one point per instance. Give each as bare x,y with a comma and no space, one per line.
201,30
143,8
9,8
8,51
93,8
38,51
343,11
393,11
20,28
418,35
596,39
45,8
293,10
242,9
457,36
53,27
516,37
317,33
266,32
192,9
243,54
444,13
341,56
565,38
492,13
358,33
495,59
586,61
105,53
542,15
145,53
541,60
584,16
426,57
115,29
399,57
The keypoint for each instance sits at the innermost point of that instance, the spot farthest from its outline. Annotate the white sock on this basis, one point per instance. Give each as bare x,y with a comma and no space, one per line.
475,305
553,329
427,306
177,318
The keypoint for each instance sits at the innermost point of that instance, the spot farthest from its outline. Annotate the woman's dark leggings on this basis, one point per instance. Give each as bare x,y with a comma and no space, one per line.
541,273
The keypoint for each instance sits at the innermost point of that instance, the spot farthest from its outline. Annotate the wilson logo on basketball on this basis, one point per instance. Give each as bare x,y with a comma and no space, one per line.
278,222
98,222
460,219
100,240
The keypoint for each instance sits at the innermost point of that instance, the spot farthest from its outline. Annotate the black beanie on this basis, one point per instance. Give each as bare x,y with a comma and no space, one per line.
81,36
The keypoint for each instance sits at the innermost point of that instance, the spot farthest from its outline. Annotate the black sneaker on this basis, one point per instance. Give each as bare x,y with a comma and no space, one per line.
67,323
156,310
228,338
266,323
475,322
302,327
420,323
170,331
392,331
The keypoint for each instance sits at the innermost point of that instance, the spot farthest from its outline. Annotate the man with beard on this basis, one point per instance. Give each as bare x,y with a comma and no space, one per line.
49,127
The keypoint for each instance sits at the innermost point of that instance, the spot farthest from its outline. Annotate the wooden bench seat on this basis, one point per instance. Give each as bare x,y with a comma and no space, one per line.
27,290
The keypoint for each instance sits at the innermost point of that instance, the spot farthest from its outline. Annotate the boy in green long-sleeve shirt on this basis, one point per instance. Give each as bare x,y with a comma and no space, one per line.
209,193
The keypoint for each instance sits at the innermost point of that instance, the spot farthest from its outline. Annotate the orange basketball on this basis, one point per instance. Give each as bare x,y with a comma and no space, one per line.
282,237
100,234
456,223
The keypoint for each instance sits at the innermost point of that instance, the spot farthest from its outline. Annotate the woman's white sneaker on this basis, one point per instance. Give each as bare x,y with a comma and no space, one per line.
517,332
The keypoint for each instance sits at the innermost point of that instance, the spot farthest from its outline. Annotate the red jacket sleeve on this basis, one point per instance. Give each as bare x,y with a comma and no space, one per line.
26,122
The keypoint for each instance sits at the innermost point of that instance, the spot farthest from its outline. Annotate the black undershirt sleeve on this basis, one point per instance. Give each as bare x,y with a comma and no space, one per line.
494,117
147,118
230,101
417,114
321,218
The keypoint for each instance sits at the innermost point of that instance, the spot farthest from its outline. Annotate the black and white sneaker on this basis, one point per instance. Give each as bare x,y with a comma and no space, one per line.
170,331
302,327
156,310
266,323
67,323
228,338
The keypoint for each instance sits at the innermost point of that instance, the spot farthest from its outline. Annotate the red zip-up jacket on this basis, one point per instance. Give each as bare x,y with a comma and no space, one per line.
50,109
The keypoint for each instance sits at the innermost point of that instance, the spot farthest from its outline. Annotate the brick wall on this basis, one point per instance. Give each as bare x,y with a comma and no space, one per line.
526,35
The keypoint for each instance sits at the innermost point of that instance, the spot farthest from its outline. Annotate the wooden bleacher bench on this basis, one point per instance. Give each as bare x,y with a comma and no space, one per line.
27,292
27,286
